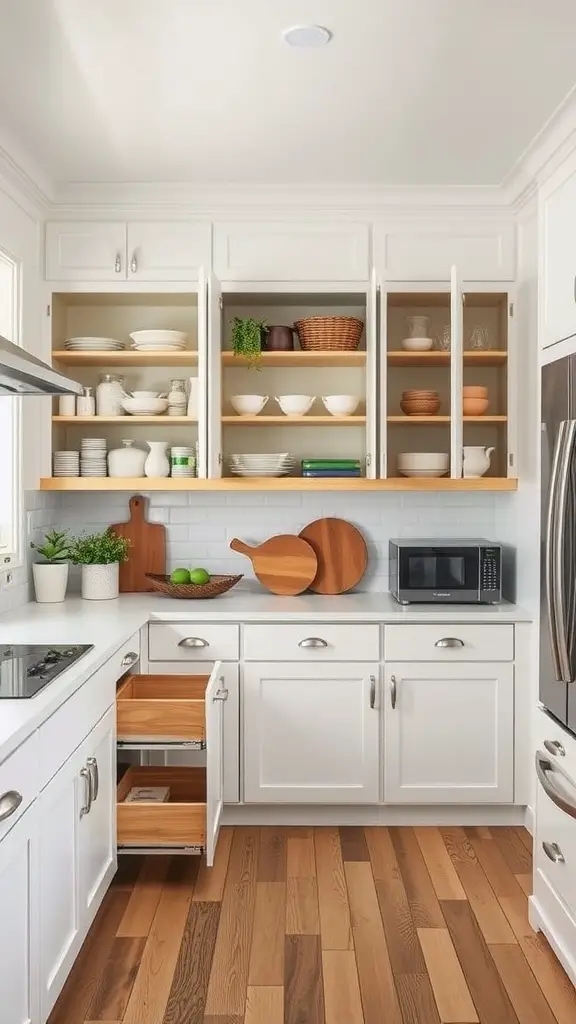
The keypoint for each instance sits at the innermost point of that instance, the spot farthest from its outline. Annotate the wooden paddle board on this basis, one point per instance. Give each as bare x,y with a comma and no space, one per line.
341,553
147,549
285,564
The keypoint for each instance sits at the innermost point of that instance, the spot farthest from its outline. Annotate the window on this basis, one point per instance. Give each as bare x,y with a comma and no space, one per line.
10,427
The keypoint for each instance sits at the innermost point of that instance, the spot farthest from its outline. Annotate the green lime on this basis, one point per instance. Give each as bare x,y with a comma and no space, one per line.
199,576
180,576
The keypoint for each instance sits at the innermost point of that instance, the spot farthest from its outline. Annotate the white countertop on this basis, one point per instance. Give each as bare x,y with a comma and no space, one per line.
108,624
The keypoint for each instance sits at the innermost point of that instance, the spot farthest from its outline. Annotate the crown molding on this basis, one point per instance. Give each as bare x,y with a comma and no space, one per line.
553,143
23,180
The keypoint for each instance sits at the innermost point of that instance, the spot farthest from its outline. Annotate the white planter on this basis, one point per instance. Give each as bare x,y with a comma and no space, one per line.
100,582
50,582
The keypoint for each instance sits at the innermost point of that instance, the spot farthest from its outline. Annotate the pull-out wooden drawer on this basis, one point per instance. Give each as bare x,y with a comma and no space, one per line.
162,707
181,821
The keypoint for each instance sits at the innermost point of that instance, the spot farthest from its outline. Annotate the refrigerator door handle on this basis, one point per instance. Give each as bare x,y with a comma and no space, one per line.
561,520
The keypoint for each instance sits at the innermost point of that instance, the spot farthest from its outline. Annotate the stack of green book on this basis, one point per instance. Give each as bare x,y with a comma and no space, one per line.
331,467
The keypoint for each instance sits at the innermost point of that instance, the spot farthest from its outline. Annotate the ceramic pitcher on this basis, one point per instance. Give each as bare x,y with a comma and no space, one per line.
476,461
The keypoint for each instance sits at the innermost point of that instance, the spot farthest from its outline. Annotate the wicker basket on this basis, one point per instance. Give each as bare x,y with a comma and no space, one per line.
217,585
329,333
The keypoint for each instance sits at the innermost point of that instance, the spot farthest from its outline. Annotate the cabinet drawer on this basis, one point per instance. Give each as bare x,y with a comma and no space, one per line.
312,642
449,643
552,739
181,821
189,641
157,707
19,775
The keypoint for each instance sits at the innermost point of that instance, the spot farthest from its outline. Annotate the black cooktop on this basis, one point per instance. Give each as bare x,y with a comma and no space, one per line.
25,669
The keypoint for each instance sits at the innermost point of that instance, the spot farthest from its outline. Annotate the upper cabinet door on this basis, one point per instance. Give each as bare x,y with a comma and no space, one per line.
87,251
252,251
456,374
485,251
167,250
213,390
558,256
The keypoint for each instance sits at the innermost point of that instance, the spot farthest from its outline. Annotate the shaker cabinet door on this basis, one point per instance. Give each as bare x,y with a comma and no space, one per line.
291,251
167,250
19,1003
86,251
97,841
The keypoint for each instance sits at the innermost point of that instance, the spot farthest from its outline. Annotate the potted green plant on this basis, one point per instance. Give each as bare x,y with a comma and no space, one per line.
51,574
100,555
247,338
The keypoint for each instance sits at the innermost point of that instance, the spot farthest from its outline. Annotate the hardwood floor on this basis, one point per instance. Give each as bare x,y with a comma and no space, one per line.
323,926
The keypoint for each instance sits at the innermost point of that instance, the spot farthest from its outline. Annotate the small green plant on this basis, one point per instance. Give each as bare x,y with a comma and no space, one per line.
56,547
99,548
247,338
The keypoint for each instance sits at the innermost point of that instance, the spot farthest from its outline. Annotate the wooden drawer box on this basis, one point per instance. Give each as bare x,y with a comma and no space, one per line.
181,821
156,707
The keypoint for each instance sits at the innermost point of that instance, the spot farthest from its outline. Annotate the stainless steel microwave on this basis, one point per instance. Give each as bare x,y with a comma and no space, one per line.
450,572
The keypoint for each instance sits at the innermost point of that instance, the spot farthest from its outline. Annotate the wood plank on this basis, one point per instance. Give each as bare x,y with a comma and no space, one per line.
115,985
487,991
459,847
517,857
401,938
210,882
341,987
478,832
267,949
489,914
288,483
187,997
243,856
525,994
129,868
495,868
451,992
416,999
300,862
353,843
516,910
265,1005
426,912
446,883
335,930
377,989
272,855
227,1018
303,988
82,983
302,916
526,883
151,990
551,977
525,837
144,899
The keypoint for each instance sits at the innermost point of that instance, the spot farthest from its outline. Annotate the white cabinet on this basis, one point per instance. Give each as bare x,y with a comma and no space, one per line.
558,256
116,251
311,733
18,934
449,733
291,251
485,251
97,844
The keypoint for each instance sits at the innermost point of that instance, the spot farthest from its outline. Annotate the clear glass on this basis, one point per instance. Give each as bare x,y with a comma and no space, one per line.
480,339
109,395
444,339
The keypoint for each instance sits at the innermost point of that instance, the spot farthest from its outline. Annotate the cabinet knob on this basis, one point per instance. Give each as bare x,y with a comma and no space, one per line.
118,264
193,641
129,659
553,852
449,641
9,802
133,264
555,747
313,641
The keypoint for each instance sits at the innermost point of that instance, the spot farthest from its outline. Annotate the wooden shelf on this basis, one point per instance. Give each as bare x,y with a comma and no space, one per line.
149,421
438,420
125,358
299,358
138,484
435,358
294,421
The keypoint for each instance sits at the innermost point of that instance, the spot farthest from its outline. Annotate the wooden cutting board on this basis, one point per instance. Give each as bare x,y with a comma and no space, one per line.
341,553
147,548
284,564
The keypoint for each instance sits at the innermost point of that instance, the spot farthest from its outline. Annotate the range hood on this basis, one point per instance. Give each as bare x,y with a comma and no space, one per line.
23,374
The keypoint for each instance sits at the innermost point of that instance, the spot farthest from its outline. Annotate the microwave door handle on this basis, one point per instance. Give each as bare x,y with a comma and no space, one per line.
564,523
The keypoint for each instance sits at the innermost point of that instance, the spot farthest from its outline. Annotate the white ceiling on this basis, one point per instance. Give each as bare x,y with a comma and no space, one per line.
428,92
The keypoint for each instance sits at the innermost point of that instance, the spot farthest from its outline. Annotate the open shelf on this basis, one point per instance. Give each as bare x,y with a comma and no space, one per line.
125,358
293,421
299,358
410,421
157,421
290,483
436,358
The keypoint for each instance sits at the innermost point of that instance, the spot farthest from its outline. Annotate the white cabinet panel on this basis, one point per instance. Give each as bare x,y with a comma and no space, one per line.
167,250
252,251
449,733
485,251
558,256
311,734
97,840
449,642
555,845
19,1002
311,641
193,642
86,251
19,775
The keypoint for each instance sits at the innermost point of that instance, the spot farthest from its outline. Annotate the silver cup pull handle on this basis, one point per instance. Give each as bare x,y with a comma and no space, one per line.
193,641
553,852
9,802
449,641
313,641
129,659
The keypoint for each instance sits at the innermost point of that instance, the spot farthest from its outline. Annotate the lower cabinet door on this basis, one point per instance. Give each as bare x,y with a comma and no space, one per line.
19,1003
311,733
97,837
449,733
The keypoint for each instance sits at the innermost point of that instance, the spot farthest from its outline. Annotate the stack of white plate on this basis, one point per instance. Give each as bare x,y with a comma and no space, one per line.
273,464
93,345
183,461
93,456
66,463
159,341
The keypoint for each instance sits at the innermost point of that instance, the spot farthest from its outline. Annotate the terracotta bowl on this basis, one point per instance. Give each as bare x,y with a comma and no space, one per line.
420,407
474,406
474,392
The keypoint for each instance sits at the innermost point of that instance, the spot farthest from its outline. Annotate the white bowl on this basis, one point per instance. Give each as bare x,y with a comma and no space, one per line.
295,405
144,396
149,407
248,405
341,405
425,473
417,344
423,461
154,337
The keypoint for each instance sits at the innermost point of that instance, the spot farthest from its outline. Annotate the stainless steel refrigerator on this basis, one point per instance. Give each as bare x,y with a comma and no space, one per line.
558,531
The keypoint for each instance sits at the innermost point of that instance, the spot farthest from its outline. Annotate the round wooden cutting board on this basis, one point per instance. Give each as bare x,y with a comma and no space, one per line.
341,553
